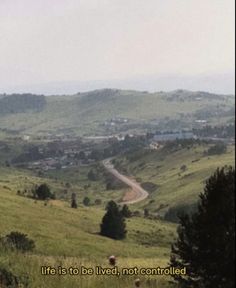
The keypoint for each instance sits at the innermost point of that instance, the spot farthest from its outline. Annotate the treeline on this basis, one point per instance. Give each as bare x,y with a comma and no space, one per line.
226,131
20,103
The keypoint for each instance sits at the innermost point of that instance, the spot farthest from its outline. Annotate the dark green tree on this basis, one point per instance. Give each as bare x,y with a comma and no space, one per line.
126,212
113,223
205,244
43,192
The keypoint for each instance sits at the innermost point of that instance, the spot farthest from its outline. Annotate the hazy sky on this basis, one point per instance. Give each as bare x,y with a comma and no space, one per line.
81,40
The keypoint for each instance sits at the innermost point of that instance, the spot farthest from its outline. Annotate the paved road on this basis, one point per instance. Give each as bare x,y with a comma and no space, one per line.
138,194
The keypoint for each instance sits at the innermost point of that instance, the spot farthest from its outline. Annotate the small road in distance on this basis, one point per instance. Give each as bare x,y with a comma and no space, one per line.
136,194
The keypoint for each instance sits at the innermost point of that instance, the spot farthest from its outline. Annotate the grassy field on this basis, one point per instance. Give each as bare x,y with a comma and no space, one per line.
163,168
69,238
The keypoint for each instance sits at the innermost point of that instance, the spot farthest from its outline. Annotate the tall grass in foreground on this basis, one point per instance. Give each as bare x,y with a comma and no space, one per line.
28,268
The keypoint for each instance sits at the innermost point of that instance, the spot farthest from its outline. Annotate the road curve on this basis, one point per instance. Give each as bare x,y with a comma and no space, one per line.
139,193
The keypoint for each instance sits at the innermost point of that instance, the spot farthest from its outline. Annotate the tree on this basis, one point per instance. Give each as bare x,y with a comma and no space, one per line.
18,241
43,192
113,222
86,201
73,201
205,244
126,212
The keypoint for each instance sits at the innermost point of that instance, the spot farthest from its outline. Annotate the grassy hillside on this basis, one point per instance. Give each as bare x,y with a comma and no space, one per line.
62,182
174,186
86,113
68,237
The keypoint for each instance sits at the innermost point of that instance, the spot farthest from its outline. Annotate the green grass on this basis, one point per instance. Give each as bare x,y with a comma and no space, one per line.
174,186
69,237
19,179
84,113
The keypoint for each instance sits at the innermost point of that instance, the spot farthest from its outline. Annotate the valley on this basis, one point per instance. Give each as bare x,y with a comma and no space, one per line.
148,151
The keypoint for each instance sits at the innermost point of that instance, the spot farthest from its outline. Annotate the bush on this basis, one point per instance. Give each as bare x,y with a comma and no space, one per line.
18,241
86,201
8,279
126,212
43,192
183,168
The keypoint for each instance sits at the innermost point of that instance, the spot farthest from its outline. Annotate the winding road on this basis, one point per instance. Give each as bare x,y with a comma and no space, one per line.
136,194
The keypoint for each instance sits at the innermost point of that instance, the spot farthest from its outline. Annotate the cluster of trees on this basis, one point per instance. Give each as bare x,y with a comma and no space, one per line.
181,143
20,103
30,153
225,131
115,147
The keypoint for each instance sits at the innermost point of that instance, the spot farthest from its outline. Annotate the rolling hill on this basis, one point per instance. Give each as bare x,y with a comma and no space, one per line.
92,112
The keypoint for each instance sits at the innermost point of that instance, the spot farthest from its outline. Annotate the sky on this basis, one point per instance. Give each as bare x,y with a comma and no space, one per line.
87,41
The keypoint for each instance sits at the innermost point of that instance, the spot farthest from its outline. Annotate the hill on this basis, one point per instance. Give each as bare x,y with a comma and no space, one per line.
21,103
110,111
69,238
173,175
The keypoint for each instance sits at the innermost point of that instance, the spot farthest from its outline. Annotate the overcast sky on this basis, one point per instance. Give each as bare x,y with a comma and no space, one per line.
84,40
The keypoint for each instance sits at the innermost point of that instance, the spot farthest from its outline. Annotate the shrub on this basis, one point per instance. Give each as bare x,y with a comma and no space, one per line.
43,192
126,212
8,279
18,241
183,168
86,201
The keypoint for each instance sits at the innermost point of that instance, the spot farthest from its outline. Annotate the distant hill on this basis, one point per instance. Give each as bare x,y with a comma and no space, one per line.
21,103
96,112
